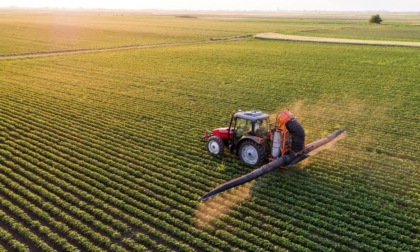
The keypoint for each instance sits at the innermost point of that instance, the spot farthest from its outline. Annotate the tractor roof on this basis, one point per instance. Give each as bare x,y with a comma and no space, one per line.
251,115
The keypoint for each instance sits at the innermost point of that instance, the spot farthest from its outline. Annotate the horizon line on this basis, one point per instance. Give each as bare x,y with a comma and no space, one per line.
203,10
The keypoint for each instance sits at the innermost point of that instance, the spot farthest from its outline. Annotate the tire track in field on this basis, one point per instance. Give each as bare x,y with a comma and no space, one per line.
76,51
278,36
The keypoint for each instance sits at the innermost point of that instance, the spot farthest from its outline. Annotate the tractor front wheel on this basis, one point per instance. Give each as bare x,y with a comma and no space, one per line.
252,153
215,145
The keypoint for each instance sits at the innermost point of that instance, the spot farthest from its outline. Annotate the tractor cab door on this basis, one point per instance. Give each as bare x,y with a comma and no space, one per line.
260,128
242,128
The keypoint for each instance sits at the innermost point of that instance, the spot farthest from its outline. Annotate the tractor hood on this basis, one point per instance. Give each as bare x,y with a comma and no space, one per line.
222,133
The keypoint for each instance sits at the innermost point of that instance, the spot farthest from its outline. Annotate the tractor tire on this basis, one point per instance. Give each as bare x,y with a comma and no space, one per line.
252,153
215,145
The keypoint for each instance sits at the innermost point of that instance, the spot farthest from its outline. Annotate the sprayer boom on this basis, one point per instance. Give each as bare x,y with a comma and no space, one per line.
269,167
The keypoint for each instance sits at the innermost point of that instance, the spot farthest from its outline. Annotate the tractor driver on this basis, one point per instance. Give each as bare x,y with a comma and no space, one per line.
259,128
286,118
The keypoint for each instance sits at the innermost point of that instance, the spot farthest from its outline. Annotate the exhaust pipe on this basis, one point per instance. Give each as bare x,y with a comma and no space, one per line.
269,167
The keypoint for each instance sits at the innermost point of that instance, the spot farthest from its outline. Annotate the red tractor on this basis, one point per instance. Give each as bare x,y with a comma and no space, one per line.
252,137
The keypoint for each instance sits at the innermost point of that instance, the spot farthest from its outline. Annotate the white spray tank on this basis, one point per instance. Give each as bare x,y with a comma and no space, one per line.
275,151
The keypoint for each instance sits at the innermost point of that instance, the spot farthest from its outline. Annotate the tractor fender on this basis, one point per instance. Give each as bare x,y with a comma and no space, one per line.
258,140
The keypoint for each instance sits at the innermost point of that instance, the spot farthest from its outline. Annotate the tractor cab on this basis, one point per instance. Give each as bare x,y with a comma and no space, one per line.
247,136
249,123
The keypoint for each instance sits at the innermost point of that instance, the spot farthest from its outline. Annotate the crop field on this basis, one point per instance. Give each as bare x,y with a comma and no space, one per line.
41,31
101,151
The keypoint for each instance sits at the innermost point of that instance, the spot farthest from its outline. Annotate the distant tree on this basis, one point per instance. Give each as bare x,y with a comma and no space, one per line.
375,19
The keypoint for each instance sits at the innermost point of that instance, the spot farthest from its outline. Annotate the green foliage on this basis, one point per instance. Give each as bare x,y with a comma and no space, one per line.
43,32
375,19
101,151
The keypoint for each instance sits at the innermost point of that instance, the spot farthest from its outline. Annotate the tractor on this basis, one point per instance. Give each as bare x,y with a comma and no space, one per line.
250,136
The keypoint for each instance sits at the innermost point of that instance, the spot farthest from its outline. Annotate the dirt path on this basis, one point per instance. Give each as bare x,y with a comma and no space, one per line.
278,36
273,36
44,54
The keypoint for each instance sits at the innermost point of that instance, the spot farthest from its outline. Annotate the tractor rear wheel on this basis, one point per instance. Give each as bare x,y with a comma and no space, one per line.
215,145
252,153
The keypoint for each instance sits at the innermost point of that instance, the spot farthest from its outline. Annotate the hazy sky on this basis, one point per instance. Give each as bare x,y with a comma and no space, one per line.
270,5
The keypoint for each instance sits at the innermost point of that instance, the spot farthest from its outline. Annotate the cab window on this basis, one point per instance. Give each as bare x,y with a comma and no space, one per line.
260,127
243,127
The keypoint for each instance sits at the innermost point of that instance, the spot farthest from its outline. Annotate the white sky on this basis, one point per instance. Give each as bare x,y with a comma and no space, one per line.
268,5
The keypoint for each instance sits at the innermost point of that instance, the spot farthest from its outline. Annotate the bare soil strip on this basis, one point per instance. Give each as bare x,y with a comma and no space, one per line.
43,54
269,35
278,36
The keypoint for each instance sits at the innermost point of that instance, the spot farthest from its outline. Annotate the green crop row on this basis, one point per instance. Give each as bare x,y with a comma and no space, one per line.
102,150
12,242
54,237
54,211
117,153
26,165
24,232
38,139
133,221
43,136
